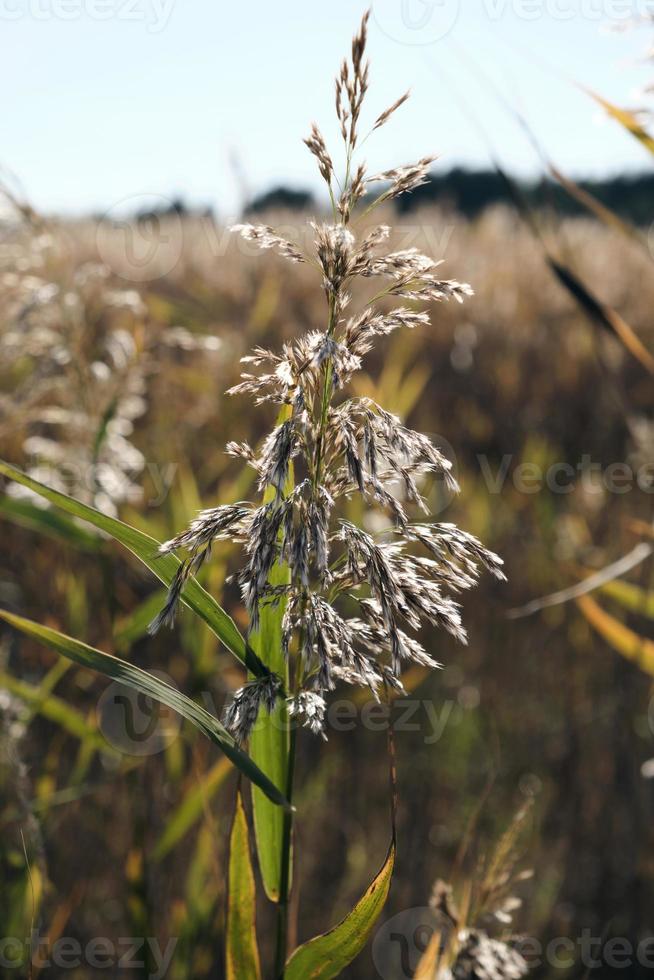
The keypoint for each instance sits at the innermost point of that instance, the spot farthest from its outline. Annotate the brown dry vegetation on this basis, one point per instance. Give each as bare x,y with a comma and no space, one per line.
541,706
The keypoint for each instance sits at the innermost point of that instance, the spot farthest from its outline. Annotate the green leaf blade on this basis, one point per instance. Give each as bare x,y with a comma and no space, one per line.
146,549
152,686
269,745
327,956
270,739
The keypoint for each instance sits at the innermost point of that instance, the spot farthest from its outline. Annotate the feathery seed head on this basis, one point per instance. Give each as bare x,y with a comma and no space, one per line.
242,712
343,446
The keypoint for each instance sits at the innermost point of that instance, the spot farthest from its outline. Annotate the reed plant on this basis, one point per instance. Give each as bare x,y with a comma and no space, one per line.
329,600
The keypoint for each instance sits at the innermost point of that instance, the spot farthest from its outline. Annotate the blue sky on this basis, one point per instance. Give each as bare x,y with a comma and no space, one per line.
110,99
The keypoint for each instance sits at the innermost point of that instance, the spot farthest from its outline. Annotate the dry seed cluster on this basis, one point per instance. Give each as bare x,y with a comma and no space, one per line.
355,600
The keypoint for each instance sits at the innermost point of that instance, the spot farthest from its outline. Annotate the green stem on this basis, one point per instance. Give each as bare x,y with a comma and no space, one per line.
284,886
287,828
326,392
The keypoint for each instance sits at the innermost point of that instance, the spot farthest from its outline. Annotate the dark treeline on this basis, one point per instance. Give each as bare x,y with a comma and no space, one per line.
472,191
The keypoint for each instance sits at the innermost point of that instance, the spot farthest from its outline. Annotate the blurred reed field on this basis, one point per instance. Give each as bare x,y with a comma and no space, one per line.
524,766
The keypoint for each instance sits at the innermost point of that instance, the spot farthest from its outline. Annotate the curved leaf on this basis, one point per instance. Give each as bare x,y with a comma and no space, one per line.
602,314
154,687
326,956
626,119
636,648
242,958
600,210
146,549
630,596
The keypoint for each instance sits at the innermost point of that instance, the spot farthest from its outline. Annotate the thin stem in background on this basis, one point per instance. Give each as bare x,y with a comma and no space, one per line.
392,768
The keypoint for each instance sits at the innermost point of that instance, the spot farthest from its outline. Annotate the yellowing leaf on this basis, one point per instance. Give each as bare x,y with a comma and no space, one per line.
326,956
242,952
636,648
626,119
428,965
630,597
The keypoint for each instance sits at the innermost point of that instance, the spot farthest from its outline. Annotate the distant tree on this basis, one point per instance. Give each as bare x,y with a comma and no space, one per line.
286,198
